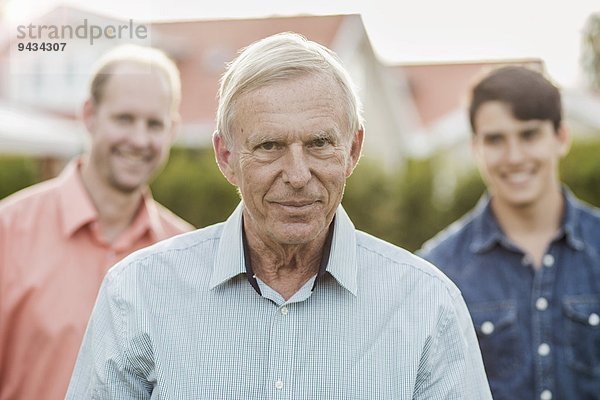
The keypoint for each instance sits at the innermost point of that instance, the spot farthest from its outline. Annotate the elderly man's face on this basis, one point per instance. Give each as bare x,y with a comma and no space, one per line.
290,157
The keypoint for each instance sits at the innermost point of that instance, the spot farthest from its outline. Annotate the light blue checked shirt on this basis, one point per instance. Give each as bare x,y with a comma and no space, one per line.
179,320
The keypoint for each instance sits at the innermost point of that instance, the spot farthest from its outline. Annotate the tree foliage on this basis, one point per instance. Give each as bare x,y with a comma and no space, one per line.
590,56
399,207
16,173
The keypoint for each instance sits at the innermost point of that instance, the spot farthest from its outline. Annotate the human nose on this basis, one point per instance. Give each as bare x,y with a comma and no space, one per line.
140,135
514,151
296,171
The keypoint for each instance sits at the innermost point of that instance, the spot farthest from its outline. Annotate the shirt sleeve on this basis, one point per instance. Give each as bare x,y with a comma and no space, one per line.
104,369
451,367
3,311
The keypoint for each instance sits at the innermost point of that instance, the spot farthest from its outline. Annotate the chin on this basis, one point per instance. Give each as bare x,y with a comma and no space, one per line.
519,201
127,187
295,235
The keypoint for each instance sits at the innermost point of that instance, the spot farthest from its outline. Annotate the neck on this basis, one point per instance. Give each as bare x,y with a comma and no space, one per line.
532,227
116,209
285,268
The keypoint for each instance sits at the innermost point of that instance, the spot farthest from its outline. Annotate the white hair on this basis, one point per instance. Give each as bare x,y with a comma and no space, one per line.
280,57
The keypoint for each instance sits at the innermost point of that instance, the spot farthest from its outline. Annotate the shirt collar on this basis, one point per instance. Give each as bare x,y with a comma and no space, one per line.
77,209
570,223
230,260
486,229
488,232
322,267
343,264
75,206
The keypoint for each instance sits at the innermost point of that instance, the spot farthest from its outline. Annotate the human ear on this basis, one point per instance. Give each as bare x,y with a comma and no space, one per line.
89,114
224,158
175,123
355,151
564,139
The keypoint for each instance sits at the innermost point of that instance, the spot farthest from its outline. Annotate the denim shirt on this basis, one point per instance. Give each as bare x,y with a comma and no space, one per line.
539,331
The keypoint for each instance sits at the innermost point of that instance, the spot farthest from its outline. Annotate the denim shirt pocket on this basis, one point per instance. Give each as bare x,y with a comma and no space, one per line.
583,333
498,335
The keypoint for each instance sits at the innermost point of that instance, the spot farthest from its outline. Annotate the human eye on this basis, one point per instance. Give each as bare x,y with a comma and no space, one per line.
530,134
156,125
268,146
492,139
123,118
321,141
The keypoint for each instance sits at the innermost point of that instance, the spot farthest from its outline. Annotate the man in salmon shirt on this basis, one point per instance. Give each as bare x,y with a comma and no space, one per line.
58,238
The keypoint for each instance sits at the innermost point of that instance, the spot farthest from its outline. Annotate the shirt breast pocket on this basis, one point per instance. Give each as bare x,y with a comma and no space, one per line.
498,335
583,333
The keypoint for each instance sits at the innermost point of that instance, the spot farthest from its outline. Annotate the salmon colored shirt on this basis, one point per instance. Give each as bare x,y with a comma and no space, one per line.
52,262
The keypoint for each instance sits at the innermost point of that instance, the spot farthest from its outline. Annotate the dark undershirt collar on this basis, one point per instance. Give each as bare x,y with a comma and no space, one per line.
322,267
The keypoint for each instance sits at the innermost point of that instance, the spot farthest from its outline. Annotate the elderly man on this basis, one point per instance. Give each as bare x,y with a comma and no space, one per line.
285,299
527,257
58,238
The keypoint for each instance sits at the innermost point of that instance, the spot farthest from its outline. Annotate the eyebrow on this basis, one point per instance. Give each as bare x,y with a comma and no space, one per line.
332,134
491,133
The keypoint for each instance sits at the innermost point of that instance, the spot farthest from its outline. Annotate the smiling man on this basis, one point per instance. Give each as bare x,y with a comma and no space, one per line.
527,258
285,299
58,238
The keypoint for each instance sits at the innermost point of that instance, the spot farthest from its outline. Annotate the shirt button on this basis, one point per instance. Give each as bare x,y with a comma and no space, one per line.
284,310
541,304
594,319
279,384
487,328
543,349
546,395
548,260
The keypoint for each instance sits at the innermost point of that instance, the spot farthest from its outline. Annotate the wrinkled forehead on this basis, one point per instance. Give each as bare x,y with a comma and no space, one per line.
298,97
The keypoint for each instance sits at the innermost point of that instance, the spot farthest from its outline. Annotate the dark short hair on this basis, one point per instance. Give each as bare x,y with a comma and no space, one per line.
528,93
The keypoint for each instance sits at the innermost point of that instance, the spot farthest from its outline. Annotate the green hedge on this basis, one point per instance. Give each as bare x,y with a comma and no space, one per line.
16,173
398,207
193,187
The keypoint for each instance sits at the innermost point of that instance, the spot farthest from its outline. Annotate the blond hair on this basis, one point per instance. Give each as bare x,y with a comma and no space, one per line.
148,57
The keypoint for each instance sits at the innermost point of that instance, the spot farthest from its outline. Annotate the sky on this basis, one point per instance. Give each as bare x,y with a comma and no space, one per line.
400,31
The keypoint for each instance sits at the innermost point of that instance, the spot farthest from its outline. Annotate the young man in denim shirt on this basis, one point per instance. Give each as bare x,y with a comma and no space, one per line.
527,258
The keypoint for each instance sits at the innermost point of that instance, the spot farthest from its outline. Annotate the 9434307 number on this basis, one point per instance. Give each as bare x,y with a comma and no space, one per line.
42,46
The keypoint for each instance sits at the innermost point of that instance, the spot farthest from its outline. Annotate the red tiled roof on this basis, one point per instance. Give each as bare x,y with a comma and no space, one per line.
203,47
439,88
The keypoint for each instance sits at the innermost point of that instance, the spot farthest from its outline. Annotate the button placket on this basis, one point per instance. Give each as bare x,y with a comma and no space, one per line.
281,351
542,325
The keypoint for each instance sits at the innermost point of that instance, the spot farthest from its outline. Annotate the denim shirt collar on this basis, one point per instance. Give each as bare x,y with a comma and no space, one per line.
488,232
571,226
